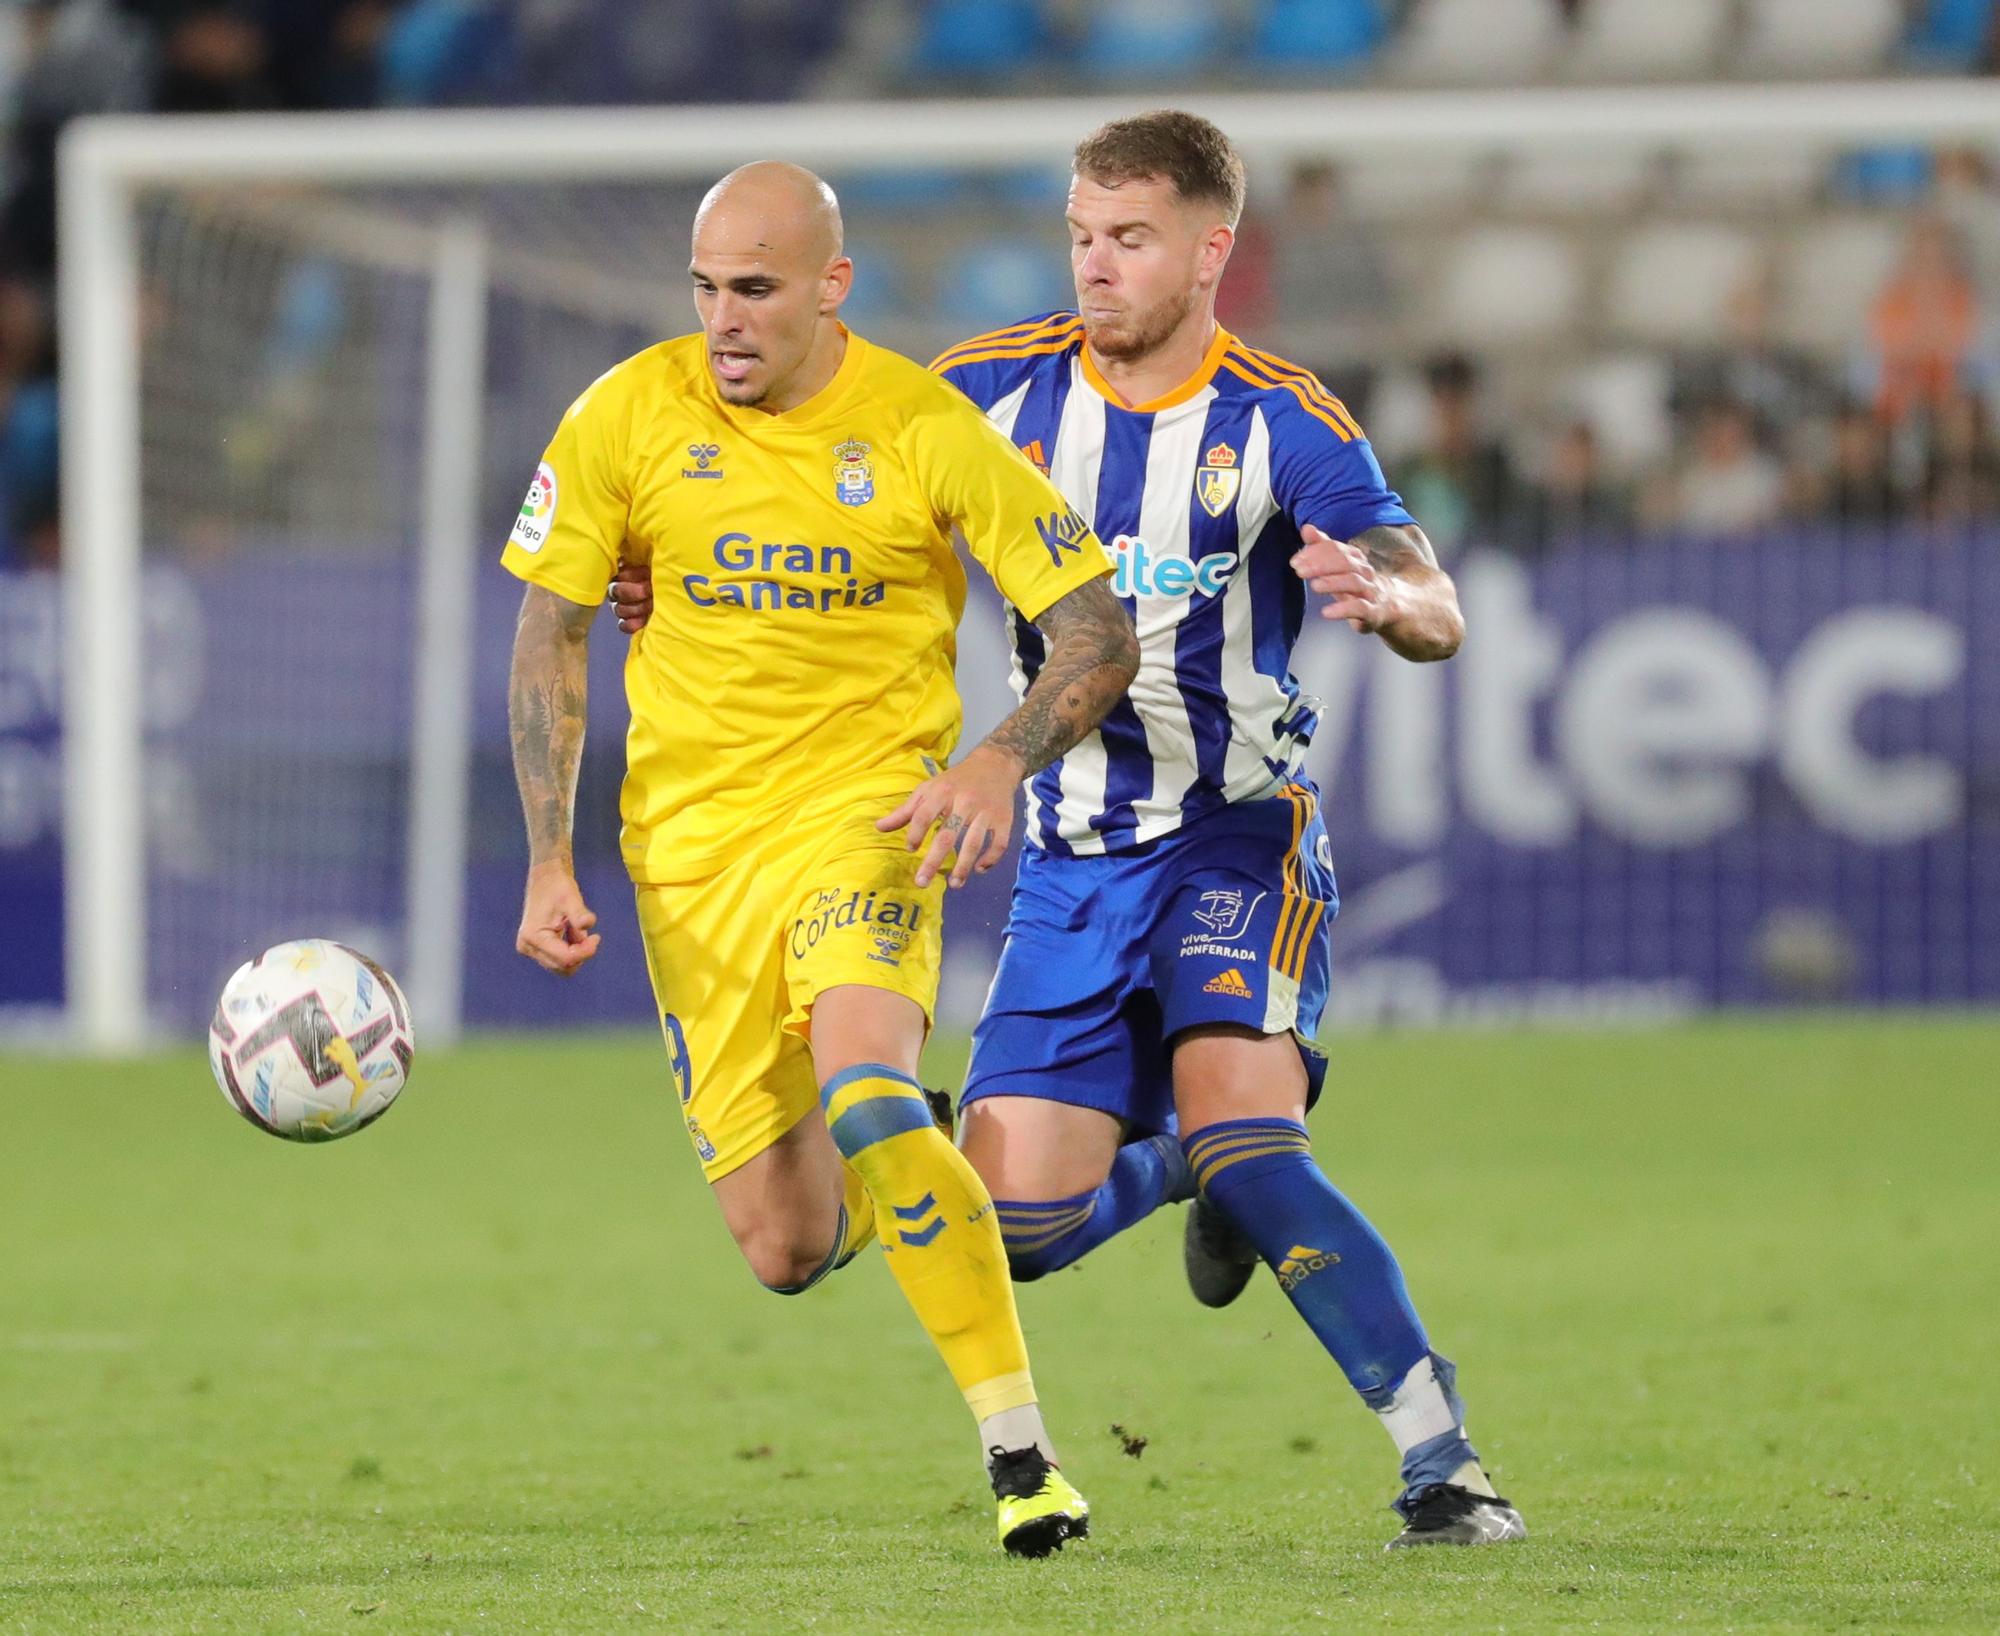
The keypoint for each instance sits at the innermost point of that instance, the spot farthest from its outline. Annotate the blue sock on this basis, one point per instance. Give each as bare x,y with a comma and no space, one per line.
1046,1236
1335,1268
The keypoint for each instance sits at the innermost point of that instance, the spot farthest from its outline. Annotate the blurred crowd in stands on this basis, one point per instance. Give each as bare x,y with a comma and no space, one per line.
1722,435
1889,424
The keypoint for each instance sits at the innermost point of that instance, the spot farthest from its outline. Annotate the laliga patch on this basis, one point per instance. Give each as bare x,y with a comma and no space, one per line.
538,511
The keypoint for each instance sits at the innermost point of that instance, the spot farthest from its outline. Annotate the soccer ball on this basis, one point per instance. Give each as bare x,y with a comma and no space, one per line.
311,1040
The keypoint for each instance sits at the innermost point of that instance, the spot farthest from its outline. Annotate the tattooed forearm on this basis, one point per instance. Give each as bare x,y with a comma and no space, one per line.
1093,656
1428,624
1395,547
546,690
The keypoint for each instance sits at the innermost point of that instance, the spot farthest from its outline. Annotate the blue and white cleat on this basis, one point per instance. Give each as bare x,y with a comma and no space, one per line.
1445,1514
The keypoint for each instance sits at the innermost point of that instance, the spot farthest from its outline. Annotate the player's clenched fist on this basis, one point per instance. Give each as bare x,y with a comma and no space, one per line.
555,921
971,809
631,596
1366,599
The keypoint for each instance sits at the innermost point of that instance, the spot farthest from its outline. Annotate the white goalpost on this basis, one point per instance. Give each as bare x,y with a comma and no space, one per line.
437,269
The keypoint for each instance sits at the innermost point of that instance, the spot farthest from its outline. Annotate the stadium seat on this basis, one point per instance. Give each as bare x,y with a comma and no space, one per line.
1736,175
977,39
1410,185
1893,175
1830,274
310,314
1317,34
1577,180
998,280
1950,33
881,286
1465,42
1818,37
439,51
1144,39
900,190
1031,187
1624,397
1643,39
1505,284
1671,283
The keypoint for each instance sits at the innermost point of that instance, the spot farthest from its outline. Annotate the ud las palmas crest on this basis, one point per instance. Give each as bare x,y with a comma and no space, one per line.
1217,479
853,476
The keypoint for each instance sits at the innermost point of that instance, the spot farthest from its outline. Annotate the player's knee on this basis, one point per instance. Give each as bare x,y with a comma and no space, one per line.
1042,1238
785,1264
1027,1261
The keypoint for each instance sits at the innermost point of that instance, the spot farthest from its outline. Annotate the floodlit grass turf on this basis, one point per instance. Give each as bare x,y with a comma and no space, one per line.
1724,1300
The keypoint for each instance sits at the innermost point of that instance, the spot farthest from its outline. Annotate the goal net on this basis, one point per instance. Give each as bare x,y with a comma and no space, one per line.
312,363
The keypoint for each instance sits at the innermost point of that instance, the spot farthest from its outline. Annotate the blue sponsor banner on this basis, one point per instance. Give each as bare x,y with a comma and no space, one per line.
31,950
1660,776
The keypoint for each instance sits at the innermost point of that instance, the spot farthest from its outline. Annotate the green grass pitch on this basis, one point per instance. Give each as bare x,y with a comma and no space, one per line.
1725,1301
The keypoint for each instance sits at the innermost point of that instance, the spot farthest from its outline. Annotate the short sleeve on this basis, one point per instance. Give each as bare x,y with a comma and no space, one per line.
1325,474
572,523
1033,543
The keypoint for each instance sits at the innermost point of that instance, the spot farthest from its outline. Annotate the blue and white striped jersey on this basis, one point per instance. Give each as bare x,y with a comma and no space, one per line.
1200,496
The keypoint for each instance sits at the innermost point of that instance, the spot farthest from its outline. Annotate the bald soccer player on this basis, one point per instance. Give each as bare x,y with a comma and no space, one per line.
793,490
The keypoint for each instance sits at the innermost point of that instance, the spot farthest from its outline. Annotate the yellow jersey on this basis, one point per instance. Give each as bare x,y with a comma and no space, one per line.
806,594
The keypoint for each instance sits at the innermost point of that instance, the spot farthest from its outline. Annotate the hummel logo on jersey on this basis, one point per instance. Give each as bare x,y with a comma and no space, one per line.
923,1232
1231,983
1301,1263
703,455
1062,531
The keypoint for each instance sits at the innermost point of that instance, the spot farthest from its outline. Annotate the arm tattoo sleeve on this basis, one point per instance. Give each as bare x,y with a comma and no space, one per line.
546,690
1394,547
1093,656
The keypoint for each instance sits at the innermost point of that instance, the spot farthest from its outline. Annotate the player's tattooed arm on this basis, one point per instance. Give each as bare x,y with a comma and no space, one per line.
546,693
546,689
1386,580
964,815
1093,654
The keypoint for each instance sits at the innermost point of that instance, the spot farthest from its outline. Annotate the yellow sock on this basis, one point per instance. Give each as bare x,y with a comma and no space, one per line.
939,1229
860,1212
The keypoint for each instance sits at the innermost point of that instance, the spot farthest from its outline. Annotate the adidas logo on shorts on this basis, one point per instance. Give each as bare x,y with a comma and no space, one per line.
1230,983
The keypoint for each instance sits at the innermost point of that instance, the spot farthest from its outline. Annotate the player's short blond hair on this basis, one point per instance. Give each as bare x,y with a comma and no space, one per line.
1186,149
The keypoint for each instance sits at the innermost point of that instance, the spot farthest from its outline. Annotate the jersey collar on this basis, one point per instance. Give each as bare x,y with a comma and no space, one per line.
1204,372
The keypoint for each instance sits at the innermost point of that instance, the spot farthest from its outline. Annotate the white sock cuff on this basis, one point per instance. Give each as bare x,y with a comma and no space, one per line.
1418,1410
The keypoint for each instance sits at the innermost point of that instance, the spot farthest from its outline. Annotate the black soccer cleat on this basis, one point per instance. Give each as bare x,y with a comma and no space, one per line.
1445,1514
1039,1507
1218,1258
942,1114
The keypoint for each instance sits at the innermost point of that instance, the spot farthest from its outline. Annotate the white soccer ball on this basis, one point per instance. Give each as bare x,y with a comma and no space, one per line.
311,1040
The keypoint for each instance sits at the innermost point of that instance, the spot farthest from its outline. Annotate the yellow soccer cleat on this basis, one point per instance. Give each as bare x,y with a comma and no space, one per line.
1039,1508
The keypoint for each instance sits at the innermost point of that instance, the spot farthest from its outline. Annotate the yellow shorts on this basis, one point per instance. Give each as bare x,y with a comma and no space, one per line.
738,958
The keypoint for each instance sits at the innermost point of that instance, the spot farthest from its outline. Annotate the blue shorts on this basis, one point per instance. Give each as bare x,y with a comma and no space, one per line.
1108,958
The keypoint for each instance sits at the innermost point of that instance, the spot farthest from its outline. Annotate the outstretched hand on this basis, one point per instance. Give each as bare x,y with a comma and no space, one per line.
1366,599
971,808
